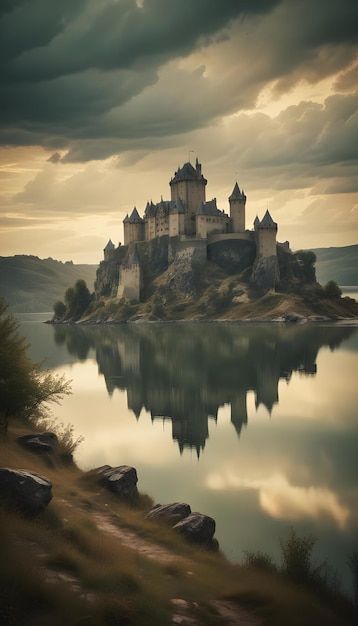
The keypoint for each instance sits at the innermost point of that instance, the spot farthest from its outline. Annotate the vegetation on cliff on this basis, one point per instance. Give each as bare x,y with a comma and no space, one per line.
209,292
25,390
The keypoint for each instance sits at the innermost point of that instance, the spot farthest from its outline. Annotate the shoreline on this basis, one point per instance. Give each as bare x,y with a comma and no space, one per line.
319,320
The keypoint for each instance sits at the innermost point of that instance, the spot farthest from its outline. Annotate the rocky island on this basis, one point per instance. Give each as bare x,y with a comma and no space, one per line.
187,259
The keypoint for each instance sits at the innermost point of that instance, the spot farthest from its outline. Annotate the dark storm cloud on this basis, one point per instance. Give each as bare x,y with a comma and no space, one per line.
83,74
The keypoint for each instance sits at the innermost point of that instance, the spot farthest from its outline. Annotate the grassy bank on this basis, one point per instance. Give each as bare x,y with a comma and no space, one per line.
92,559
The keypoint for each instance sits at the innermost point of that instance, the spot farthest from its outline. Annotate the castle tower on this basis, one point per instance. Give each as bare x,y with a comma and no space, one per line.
188,185
130,277
107,251
133,227
266,232
237,202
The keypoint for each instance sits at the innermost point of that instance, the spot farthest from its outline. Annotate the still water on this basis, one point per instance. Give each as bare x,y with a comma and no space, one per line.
255,425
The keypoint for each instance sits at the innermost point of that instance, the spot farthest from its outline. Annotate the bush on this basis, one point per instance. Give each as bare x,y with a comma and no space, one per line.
296,556
258,560
24,389
59,309
77,300
353,566
331,290
307,260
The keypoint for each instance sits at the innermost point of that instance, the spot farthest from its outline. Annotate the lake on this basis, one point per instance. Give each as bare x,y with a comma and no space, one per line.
255,425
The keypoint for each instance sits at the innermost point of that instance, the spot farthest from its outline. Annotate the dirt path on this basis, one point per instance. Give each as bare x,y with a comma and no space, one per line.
183,611
133,541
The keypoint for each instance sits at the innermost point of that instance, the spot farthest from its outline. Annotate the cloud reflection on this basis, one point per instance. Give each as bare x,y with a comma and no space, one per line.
281,500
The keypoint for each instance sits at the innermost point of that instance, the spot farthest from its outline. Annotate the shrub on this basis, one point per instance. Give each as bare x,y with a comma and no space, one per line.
353,566
296,556
25,390
258,560
59,309
331,290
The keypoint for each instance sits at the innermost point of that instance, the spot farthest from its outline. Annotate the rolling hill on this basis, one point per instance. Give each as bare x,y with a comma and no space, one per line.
30,284
339,264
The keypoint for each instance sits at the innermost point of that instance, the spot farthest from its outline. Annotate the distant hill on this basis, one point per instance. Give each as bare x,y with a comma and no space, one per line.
30,284
339,264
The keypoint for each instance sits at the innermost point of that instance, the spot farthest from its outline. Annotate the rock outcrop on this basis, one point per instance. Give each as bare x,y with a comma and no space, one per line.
25,491
265,273
169,513
121,480
39,443
197,528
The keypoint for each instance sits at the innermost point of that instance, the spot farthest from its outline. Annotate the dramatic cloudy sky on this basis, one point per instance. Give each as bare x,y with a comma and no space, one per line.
102,99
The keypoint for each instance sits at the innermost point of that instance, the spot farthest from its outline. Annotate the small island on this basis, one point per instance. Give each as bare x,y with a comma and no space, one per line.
188,260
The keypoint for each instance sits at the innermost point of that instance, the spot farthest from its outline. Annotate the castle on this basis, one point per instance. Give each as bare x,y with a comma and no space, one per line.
191,225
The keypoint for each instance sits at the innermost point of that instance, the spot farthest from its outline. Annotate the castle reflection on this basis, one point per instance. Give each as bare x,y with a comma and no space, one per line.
186,372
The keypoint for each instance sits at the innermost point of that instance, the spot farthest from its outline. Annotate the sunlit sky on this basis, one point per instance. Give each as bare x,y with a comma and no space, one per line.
103,99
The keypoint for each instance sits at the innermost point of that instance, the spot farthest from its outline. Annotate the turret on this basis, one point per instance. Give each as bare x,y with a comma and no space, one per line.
188,185
133,227
237,202
107,251
266,232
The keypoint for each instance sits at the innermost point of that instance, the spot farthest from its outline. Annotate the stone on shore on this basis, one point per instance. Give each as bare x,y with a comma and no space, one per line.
197,528
169,513
25,491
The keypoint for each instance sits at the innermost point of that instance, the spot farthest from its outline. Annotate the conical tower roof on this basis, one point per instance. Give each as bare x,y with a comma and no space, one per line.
267,221
236,193
109,246
135,218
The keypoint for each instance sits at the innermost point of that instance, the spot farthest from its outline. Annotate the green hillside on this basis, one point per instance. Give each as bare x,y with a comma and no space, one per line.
339,264
30,284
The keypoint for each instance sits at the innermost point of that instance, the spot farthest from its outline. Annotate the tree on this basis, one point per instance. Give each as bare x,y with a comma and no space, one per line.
70,300
82,296
307,260
332,290
25,390
59,309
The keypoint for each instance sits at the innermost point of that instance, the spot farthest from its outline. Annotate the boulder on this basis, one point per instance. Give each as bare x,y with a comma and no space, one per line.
169,513
197,528
24,490
121,480
294,318
39,443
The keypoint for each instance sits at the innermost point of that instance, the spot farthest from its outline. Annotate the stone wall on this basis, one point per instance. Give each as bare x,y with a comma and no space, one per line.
107,277
266,242
129,283
206,224
176,224
133,232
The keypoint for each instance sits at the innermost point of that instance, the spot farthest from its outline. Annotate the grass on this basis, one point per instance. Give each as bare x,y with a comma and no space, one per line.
96,574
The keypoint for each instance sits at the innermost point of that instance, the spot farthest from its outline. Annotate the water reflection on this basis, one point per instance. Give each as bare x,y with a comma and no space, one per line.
185,373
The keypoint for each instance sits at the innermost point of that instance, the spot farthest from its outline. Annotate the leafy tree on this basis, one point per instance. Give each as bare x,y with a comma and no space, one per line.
332,290
59,309
70,299
307,260
25,390
82,295
77,299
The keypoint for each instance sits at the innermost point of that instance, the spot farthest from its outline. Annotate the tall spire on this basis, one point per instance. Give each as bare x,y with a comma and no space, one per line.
236,193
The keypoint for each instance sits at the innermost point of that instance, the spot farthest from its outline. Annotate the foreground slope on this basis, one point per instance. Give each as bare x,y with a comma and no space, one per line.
90,558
